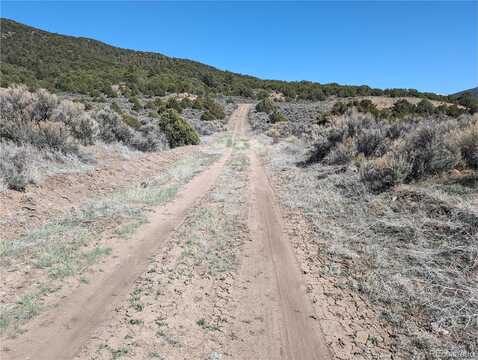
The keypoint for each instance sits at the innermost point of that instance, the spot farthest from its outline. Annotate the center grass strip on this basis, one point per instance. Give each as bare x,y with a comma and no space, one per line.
211,239
62,248
204,250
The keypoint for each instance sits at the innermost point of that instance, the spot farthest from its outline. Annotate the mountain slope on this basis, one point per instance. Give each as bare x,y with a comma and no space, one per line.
82,65
472,92
66,63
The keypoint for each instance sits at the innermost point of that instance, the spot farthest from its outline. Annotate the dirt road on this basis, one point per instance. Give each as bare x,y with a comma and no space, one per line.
212,275
302,337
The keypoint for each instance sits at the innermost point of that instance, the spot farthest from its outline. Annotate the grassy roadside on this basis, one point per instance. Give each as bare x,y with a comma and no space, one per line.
410,252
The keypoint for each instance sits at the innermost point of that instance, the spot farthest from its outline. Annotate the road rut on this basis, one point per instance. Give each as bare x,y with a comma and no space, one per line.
302,337
269,280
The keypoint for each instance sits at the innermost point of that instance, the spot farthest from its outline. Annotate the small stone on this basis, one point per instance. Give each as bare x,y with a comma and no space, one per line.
361,337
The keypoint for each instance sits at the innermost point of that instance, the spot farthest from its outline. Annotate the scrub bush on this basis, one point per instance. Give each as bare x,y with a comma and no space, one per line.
177,131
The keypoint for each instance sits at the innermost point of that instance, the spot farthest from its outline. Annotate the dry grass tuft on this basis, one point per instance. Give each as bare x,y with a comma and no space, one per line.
413,251
397,151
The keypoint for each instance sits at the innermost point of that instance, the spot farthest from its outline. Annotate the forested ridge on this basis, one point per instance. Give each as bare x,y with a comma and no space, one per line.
57,62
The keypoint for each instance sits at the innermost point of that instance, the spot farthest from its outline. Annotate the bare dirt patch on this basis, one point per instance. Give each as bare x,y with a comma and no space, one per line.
21,212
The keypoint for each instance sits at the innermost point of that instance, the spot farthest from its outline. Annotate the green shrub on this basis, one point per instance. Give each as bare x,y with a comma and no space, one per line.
178,132
136,103
366,106
149,105
425,107
158,103
115,107
173,103
207,116
265,106
186,103
85,129
155,86
276,116
198,103
153,114
244,91
339,108
450,110
161,106
262,94
468,101
441,109
402,107
454,111
108,91
215,109
131,121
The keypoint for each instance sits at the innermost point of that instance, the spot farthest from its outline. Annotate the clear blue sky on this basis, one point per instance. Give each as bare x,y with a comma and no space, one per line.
430,46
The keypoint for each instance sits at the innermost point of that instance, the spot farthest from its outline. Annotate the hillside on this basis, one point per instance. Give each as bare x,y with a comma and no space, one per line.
54,61
74,64
473,92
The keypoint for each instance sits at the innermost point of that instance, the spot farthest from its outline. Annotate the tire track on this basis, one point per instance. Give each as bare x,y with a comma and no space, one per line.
301,336
59,333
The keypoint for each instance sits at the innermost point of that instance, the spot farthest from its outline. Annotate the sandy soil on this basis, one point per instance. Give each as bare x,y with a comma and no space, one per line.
212,275
302,337
20,211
